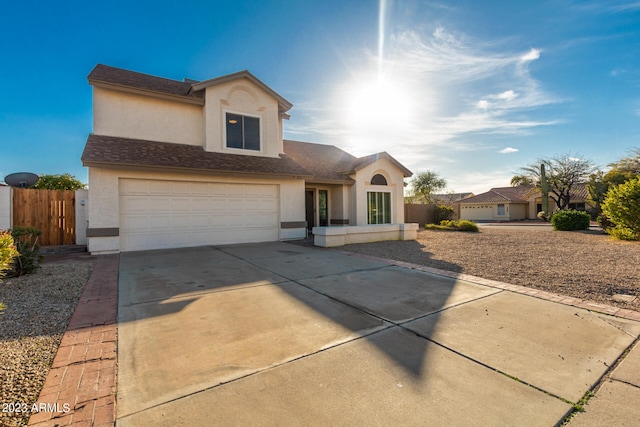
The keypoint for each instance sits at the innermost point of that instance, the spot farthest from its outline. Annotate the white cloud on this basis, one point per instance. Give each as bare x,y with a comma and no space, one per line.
508,150
532,55
507,95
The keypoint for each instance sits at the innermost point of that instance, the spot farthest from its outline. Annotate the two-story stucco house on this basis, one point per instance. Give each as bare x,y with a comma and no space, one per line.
189,163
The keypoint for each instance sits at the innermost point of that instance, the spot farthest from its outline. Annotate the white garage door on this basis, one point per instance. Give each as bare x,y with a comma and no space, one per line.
158,214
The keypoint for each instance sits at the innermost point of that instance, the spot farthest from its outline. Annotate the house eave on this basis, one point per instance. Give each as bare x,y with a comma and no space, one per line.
282,103
146,92
313,181
191,171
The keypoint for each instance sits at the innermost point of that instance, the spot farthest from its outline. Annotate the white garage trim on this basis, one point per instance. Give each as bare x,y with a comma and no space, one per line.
158,214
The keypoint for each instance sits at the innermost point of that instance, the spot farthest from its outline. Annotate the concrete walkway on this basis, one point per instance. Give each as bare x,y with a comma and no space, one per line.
278,334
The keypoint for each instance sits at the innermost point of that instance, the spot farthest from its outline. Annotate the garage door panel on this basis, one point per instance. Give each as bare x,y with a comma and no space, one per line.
165,214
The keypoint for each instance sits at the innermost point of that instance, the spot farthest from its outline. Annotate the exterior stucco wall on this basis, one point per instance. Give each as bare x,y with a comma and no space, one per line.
142,117
339,203
518,211
82,216
395,185
489,211
242,97
105,198
5,207
476,211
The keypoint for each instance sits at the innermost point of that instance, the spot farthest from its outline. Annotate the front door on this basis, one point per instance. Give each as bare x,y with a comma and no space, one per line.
309,208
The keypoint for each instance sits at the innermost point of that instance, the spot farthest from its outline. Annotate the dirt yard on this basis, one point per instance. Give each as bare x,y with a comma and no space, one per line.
587,265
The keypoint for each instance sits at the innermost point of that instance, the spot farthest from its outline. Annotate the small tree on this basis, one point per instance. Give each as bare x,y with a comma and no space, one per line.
426,183
624,169
622,207
563,173
58,182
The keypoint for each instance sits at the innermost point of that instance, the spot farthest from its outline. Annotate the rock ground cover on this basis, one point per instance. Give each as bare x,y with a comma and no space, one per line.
39,307
587,265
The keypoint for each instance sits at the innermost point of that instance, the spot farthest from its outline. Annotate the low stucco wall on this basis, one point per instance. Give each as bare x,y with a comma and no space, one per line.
340,236
82,216
5,207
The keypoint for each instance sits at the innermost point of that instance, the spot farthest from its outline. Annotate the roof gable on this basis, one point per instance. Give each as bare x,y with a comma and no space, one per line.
326,163
283,104
329,163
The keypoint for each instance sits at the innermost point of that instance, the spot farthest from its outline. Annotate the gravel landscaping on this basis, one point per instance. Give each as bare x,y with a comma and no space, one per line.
39,307
587,265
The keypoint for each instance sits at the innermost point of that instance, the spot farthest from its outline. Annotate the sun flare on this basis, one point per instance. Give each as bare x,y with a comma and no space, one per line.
381,105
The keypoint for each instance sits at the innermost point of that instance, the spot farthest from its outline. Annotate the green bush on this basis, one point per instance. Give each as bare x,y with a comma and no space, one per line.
29,258
622,206
454,225
568,220
442,213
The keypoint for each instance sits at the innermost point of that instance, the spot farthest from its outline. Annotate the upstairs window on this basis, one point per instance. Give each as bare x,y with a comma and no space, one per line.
378,180
243,132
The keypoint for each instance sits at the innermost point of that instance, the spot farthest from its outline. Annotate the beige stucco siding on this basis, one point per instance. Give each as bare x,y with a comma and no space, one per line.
245,98
476,212
490,212
395,186
142,117
518,211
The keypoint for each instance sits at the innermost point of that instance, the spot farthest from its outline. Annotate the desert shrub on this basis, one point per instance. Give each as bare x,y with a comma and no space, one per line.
7,254
542,215
442,213
454,225
7,251
623,233
622,206
29,258
569,220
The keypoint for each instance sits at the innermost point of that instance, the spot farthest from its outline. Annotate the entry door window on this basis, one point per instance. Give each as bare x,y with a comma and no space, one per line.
323,208
379,208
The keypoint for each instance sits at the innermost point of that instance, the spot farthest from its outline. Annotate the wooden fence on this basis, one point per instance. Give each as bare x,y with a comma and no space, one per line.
52,211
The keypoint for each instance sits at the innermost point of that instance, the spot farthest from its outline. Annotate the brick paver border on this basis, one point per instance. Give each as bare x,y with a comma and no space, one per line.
80,388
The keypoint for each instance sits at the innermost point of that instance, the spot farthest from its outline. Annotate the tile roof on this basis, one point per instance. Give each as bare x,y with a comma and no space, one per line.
117,76
116,151
501,195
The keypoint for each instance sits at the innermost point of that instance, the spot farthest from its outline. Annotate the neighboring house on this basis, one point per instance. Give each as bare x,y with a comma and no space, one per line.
449,198
516,203
188,163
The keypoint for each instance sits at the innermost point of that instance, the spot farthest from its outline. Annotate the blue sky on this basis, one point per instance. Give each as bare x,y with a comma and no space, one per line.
472,90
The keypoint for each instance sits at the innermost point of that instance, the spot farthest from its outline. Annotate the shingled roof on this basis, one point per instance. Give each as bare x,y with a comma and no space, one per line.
330,164
326,163
188,90
104,74
126,152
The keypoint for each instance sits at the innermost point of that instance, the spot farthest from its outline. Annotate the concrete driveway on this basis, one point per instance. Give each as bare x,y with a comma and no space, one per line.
278,334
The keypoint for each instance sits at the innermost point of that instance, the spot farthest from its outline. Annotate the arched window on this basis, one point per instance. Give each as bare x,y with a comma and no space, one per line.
378,180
